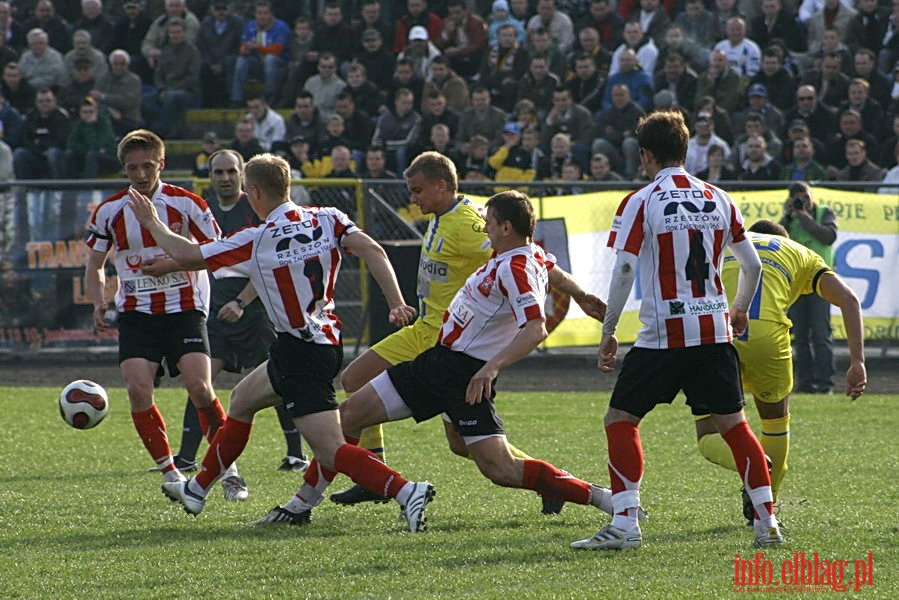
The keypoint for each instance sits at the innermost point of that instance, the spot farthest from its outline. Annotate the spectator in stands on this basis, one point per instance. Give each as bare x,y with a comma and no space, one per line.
873,117
245,142
13,31
298,155
601,169
520,10
868,26
866,68
357,126
556,22
499,16
615,127
8,54
699,24
370,18
607,23
326,85
771,116
219,37
858,166
334,135
306,122
559,154
128,33
90,150
645,51
724,11
777,22
833,44
463,39
820,119
588,85
588,43
511,162
835,14
446,81
96,24
420,51
850,129
41,65
158,34
8,114
804,167
398,129
565,116
830,81
717,168
525,114
889,54
118,93
680,81
418,15
210,145
404,76
779,85
438,141
892,175
675,41
41,154
367,96
83,50
752,125
505,63
299,69
538,85
541,44
798,129
265,45
539,159
721,119
758,165
886,157
638,81
378,61
653,19
176,83
704,138
268,125
376,164
45,17
332,35
436,111
480,118
341,164
720,81
742,53
80,84
16,89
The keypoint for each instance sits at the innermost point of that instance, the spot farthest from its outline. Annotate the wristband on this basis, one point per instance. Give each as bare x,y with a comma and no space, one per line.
241,303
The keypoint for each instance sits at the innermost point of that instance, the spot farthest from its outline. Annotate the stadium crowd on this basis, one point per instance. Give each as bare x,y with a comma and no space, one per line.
510,90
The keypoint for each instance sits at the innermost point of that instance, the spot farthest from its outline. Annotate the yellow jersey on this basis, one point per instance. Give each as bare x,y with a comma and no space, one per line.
454,246
789,270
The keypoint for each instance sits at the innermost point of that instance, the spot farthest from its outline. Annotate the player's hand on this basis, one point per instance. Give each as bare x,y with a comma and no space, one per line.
608,353
856,380
141,207
738,322
230,312
98,317
159,266
481,385
592,306
401,315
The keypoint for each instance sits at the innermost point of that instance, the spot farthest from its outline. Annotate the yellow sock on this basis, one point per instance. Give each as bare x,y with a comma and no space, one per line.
775,441
713,447
372,439
514,452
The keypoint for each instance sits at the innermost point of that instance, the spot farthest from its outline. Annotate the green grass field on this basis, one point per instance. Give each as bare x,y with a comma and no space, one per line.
80,517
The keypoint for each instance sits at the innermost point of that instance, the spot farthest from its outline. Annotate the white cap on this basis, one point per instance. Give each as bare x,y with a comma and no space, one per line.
418,33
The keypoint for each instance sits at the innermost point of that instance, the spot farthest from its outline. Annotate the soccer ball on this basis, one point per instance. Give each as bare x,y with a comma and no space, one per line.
83,404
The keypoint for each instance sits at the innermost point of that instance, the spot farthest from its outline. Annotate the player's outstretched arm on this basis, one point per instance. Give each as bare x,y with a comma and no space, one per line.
834,290
360,244
183,251
565,283
481,383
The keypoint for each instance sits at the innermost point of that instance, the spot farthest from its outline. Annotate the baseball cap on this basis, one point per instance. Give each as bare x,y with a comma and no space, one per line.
798,124
757,89
500,5
418,33
298,139
512,128
371,34
210,136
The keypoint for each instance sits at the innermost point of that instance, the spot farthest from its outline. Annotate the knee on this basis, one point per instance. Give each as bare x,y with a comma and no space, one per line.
200,392
350,381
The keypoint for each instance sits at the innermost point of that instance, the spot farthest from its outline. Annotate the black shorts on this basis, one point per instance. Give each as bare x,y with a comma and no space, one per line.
709,376
244,344
302,374
155,337
435,382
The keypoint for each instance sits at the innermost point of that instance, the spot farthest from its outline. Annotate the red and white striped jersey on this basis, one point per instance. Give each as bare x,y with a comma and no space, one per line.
292,260
496,301
678,226
113,226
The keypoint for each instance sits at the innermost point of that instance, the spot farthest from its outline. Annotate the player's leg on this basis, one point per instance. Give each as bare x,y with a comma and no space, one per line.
775,439
295,460
191,430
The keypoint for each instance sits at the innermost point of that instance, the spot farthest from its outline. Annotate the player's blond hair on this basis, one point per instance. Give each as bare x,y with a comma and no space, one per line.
271,174
140,139
434,166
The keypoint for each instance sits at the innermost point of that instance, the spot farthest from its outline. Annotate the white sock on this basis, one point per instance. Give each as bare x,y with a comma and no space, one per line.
403,496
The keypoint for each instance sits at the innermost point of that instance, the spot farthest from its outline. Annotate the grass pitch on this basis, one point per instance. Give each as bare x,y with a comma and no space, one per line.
80,517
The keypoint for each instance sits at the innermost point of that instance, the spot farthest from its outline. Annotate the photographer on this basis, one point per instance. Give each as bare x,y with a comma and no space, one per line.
815,227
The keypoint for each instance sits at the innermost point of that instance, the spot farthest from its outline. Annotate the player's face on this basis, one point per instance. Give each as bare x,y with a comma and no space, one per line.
224,173
142,168
426,193
492,228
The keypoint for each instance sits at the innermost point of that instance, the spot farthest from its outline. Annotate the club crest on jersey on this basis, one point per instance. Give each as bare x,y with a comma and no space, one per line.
133,262
676,307
486,284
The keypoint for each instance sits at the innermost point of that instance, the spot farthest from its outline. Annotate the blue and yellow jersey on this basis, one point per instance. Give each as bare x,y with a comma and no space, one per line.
789,270
454,247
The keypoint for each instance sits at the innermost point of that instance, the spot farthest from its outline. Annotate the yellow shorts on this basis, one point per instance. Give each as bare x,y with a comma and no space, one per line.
766,361
407,343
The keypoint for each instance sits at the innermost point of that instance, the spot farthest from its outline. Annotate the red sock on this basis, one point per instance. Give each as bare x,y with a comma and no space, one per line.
552,482
625,456
318,476
211,418
152,431
225,447
367,470
750,458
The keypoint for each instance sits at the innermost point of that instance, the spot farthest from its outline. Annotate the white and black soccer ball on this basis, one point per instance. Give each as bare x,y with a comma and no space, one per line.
83,404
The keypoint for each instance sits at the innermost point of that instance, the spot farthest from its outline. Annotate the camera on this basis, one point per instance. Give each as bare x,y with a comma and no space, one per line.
798,204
